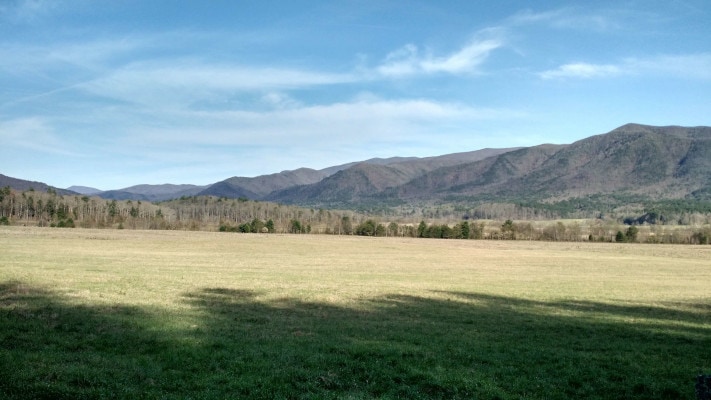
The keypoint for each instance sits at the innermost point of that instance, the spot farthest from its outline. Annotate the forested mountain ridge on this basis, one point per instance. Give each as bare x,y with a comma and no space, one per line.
384,173
491,174
368,181
84,190
658,162
645,162
654,163
152,192
23,185
343,187
260,186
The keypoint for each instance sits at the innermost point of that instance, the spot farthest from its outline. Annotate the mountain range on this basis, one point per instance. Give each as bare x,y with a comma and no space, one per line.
266,187
652,162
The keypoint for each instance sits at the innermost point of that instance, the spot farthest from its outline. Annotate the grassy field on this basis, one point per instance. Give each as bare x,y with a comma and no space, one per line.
162,314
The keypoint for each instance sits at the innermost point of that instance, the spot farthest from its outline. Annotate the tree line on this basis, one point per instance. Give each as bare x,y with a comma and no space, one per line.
209,213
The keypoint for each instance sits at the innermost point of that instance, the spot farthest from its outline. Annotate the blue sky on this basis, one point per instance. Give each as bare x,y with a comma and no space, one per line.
118,93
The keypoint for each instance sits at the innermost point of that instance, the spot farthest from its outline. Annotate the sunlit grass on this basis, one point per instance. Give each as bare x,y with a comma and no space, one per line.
144,314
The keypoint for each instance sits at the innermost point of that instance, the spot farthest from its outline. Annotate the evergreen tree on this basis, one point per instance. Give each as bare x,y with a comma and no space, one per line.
508,230
346,226
631,234
476,231
380,230
445,232
421,229
295,226
366,228
256,225
393,229
464,230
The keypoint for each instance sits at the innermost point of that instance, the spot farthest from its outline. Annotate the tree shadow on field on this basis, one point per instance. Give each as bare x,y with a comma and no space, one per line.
52,349
451,345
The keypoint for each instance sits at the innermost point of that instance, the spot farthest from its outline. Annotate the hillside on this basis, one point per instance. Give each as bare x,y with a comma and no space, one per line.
490,175
84,190
152,192
659,163
260,186
344,187
368,181
286,185
654,163
644,163
24,185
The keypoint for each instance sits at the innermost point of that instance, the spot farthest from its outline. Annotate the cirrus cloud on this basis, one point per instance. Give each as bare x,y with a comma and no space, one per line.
408,60
582,70
685,66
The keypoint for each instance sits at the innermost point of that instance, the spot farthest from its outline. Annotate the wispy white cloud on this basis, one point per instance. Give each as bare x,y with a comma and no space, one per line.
401,62
359,121
686,66
408,60
689,66
302,135
187,81
21,11
35,134
55,68
280,100
582,70
572,18
126,69
529,16
463,61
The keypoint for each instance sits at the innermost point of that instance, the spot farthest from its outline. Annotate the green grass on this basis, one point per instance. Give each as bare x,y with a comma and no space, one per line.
126,314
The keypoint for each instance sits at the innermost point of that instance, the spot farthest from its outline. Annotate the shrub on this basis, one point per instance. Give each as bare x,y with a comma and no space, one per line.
631,234
701,238
367,228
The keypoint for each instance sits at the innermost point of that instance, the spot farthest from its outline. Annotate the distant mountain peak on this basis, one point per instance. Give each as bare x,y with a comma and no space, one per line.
84,190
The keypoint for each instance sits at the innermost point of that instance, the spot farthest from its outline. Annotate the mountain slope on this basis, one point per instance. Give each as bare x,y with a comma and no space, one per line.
645,162
23,185
490,175
152,192
369,181
343,187
658,162
284,186
653,162
629,159
260,186
84,190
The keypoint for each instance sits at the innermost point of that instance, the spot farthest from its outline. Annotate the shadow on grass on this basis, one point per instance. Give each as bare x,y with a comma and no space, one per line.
453,345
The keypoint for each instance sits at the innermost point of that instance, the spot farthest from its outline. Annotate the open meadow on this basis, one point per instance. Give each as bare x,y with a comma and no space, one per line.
90,313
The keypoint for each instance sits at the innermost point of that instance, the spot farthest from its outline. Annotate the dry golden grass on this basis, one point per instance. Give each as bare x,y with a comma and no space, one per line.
156,267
